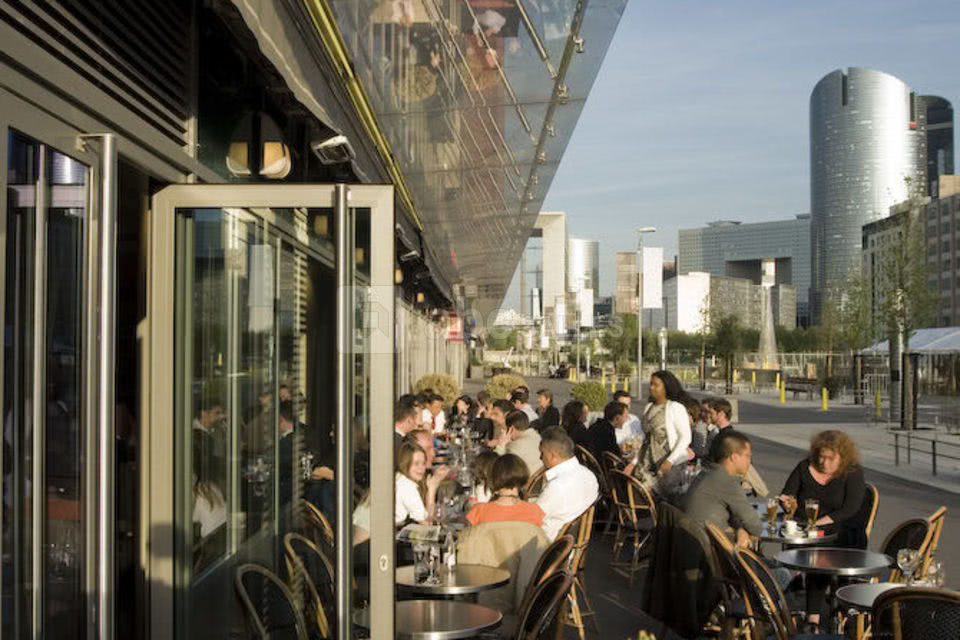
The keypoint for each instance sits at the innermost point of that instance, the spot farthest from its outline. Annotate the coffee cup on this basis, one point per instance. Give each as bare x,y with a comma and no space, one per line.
790,527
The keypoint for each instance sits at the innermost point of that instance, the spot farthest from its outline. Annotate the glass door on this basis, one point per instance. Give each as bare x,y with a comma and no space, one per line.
271,360
47,547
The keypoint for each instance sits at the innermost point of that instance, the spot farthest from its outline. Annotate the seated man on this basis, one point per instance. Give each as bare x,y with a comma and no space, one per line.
632,427
570,489
602,434
521,441
717,497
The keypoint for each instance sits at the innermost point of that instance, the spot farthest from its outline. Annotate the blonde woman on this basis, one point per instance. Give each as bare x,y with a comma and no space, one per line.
416,491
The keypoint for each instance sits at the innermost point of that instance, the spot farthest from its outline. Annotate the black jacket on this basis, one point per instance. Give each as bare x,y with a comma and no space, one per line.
550,417
603,437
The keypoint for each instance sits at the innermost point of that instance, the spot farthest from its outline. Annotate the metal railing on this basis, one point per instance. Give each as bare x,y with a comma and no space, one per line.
925,445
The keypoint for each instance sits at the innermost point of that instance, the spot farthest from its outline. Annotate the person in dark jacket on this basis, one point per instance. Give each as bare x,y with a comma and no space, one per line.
602,434
549,414
573,422
831,475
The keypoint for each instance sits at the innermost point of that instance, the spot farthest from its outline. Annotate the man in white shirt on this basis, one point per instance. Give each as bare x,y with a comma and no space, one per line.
631,428
570,489
521,441
433,416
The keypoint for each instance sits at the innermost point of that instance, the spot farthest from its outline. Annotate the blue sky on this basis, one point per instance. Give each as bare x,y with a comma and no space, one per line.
700,110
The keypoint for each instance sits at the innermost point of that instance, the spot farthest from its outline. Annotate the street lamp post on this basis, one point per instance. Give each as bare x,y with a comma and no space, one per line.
640,232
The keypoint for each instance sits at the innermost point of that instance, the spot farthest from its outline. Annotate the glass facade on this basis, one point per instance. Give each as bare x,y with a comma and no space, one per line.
867,139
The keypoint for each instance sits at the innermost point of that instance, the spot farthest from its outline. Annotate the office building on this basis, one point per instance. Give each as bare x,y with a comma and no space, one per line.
736,249
940,220
939,139
868,137
694,298
583,264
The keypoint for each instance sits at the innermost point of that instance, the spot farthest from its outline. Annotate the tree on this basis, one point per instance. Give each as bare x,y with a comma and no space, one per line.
728,342
620,338
904,299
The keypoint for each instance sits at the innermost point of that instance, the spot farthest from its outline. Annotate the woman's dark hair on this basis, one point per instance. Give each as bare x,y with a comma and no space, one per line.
471,408
672,386
694,409
481,468
572,413
509,472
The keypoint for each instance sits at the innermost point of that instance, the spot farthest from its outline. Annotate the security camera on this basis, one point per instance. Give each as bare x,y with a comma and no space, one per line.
333,150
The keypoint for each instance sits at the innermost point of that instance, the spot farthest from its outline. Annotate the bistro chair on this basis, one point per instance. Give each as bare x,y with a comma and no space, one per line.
611,462
766,603
310,577
538,618
588,460
734,622
911,613
554,558
578,604
936,520
911,534
317,526
872,498
635,506
270,606
535,484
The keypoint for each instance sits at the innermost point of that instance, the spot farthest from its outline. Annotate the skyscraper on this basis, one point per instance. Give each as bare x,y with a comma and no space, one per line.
583,264
867,137
939,139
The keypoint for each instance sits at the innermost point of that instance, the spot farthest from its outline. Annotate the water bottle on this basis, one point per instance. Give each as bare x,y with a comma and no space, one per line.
451,552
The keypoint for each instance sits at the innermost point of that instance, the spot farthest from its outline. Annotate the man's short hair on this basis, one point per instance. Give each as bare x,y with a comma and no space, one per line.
722,404
286,410
508,472
423,399
518,420
613,409
504,406
546,393
556,439
727,443
407,399
403,411
435,397
519,396
483,397
415,435
621,394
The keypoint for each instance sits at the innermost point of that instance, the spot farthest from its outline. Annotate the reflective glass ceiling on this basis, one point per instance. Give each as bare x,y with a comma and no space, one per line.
478,99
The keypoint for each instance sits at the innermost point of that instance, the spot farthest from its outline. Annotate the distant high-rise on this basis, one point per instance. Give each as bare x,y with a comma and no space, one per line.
583,264
939,139
867,136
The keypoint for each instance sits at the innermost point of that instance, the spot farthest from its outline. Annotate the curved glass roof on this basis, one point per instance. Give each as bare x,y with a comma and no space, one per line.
477,99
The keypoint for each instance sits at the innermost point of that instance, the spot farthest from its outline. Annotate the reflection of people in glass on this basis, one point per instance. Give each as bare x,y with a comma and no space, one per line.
285,439
209,506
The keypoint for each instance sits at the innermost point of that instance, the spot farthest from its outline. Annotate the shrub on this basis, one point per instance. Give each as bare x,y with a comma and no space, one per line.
590,393
442,384
624,367
502,384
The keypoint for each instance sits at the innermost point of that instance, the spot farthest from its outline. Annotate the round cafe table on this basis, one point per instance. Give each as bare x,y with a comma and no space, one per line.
801,538
862,596
437,619
466,579
835,561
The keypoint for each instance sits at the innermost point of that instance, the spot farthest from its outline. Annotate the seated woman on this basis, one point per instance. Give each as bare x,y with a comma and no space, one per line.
832,476
574,422
416,491
509,475
482,471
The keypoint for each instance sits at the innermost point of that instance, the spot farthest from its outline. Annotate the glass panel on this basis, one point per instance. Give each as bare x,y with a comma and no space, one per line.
62,539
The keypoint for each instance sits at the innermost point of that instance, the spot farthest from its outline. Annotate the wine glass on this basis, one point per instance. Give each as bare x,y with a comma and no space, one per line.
907,560
935,574
772,505
812,508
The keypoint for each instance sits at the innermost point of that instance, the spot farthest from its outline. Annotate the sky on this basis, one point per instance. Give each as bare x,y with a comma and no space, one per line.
700,111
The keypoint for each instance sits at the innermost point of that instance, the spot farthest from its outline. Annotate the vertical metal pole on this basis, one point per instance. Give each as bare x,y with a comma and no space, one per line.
896,449
345,359
105,387
933,454
639,312
39,400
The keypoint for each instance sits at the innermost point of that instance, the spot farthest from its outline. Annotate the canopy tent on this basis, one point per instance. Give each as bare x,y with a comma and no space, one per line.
933,341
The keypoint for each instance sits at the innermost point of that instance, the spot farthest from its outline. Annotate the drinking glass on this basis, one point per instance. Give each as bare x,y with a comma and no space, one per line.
772,505
907,560
421,570
812,507
935,575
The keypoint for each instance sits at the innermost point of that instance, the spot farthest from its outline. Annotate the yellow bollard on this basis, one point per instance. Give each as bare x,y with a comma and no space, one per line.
778,381
613,384
783,392
753,379
736,375
626,384
879,409
603,378
823,399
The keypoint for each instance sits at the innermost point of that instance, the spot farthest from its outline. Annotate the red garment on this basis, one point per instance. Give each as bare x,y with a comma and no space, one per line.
492,512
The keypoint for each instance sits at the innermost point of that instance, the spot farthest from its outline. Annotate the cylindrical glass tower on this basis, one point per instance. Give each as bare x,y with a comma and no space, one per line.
867,135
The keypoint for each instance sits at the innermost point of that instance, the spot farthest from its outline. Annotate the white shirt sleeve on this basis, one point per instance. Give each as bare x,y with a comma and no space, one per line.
552,502
409,503
678,424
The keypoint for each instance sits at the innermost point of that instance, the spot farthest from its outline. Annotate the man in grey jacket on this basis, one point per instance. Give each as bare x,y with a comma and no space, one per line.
717,496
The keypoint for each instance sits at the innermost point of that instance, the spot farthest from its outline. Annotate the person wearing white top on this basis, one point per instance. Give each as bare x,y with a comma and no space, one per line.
410,502
433,417
666,427
570,489
632,428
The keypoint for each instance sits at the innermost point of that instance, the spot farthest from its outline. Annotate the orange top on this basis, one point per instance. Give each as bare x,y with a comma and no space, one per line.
492,512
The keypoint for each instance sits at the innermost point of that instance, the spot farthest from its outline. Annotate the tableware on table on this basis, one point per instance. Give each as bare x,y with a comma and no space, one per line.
811,509
907,560
426,563
935,574
790,527
772,505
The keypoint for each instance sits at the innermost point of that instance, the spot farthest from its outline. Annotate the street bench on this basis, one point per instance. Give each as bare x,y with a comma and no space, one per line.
801,385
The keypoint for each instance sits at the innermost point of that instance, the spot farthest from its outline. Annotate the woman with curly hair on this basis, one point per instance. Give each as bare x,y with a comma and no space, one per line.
831,475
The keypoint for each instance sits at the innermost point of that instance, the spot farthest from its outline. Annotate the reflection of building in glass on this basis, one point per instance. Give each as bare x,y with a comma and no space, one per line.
939,139
867,137
730,248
